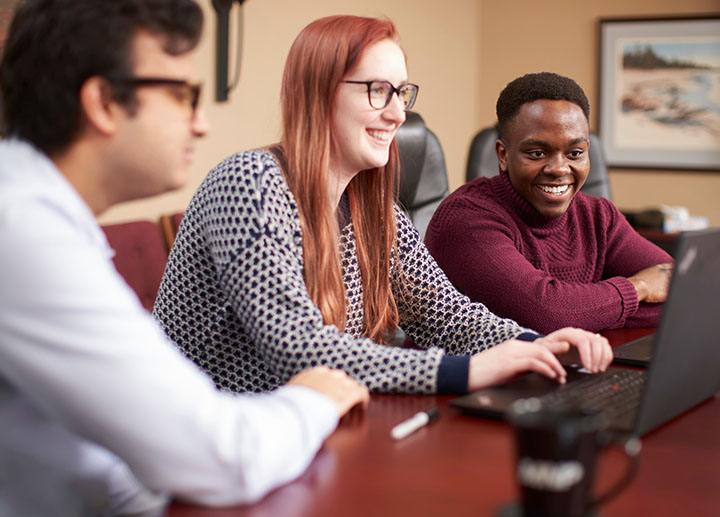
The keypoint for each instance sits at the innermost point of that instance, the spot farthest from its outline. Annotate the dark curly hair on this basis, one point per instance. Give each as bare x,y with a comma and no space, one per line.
54,46
533,87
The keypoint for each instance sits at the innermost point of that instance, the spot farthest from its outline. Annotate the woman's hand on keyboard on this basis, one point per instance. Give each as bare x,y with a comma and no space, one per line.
503,361
595,351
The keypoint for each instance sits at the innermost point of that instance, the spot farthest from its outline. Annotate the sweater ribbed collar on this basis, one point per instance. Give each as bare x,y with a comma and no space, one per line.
520,206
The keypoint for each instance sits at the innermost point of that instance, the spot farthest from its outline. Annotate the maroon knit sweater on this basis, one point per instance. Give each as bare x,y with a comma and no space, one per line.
544,273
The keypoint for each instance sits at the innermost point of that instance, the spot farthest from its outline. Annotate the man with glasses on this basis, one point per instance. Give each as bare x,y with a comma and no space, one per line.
101,415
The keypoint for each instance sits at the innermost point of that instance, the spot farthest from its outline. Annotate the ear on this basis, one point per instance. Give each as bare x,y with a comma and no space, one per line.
99,109
502,154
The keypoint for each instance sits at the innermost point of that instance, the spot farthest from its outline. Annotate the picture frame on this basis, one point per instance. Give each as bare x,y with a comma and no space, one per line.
659,92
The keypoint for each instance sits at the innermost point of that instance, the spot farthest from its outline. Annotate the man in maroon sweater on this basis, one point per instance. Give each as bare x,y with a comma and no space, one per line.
528,244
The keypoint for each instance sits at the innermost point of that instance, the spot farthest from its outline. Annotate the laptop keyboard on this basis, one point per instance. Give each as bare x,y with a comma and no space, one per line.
616,393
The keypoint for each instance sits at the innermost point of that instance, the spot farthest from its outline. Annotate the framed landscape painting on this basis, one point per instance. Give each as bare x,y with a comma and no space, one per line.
660,92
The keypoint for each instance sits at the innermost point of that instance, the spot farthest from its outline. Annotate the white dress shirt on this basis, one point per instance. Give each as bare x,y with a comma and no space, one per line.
92,394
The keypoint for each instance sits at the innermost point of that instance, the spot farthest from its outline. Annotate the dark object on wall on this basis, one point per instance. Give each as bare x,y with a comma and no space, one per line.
222,9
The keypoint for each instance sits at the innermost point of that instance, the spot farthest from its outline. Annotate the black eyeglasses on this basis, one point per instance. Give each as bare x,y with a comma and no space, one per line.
380,93
190,90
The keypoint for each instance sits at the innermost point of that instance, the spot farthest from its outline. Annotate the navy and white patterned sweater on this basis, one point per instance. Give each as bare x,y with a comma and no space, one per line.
234,299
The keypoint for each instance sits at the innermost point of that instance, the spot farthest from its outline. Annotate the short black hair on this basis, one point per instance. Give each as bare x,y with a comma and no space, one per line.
54,46
533,87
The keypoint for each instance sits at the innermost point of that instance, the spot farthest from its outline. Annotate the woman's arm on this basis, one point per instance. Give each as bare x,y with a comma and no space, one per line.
432,311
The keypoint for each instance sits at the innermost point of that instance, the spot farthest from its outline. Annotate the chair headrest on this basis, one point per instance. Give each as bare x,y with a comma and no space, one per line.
411,139
482,160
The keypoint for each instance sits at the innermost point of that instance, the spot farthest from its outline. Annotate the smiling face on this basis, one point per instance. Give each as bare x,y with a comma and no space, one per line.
545,152
361,135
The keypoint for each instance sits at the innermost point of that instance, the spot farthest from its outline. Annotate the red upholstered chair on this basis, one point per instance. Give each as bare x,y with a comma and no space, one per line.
140,256
170,224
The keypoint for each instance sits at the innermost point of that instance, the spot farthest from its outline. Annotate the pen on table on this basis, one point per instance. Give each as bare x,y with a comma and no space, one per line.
414,423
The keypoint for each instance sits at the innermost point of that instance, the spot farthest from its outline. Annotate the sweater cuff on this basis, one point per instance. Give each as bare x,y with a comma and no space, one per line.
628,295
529,336
452,376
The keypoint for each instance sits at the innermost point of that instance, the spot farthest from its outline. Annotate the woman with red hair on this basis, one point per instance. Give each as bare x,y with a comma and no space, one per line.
297,255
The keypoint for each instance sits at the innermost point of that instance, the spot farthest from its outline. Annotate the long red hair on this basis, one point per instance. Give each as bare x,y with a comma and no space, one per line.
325,52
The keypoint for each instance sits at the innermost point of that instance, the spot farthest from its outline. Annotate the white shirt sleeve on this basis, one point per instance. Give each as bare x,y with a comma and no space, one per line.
78,344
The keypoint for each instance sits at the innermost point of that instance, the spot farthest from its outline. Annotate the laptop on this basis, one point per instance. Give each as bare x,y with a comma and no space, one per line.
639,351
635,353
684,369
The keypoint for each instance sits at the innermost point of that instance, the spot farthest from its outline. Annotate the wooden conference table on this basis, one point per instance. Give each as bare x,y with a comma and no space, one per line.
462,465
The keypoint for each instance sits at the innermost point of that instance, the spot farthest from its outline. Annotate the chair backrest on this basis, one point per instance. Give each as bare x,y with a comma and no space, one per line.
482,161
423,176
140,256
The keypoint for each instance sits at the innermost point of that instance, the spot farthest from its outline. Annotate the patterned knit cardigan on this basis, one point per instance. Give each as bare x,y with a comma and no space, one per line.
234,299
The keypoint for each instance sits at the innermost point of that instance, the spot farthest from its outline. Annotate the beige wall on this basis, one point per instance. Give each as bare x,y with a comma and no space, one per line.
461,53
440,39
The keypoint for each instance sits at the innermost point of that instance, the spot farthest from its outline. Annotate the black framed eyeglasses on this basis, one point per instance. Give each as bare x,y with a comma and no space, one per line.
191,90
380,93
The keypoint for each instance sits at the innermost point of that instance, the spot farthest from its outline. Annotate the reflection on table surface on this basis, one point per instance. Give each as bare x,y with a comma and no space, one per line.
462,465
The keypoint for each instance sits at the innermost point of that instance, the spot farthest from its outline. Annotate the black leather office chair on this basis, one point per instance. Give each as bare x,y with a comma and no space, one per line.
482,161
423,177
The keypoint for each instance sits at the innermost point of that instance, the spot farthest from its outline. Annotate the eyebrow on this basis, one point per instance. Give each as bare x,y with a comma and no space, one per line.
543,143
402,83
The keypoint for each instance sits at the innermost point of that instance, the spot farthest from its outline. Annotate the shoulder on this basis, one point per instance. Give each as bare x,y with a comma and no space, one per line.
245,167
477,195
596,217
31,223
249,178
477,191
600,209
38,205
49,250
243,197
470,202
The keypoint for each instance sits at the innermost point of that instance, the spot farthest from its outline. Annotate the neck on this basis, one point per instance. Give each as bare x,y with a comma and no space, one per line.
79,164
338,182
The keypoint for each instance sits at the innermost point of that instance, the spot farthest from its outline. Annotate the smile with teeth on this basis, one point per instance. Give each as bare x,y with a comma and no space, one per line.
379,135
557,189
